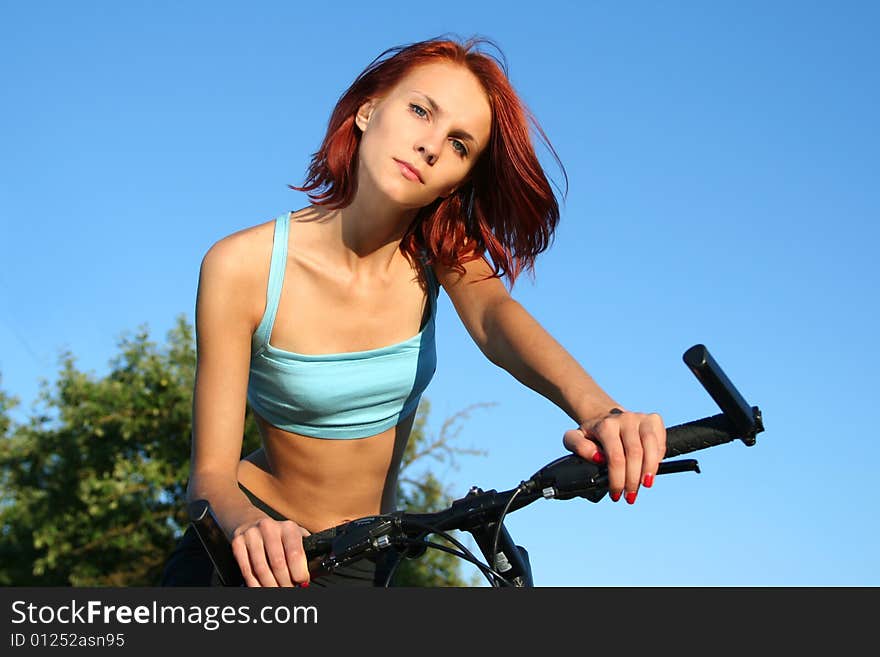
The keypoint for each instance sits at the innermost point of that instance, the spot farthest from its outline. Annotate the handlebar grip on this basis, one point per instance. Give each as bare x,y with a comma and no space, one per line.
215,543
700,434
745,420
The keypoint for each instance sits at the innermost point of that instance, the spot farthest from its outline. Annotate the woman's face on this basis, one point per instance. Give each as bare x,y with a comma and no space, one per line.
437,119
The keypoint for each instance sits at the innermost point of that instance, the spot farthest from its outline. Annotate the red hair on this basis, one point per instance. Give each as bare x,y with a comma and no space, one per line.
506,209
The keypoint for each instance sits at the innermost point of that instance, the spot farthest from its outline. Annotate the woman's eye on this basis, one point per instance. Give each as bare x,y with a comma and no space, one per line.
421,112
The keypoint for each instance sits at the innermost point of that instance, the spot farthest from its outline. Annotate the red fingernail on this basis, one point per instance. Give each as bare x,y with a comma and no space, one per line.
648,480
615,497
599,458
305,585
631,496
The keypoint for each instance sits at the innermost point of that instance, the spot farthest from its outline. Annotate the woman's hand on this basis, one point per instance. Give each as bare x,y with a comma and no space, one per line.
632,445
270,553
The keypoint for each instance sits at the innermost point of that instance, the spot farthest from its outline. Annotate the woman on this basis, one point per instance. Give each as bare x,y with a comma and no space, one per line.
323,319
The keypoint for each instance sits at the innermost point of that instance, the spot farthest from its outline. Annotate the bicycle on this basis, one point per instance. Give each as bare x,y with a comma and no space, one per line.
481,513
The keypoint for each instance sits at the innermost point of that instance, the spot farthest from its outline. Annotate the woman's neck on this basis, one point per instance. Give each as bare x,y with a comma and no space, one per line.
367,233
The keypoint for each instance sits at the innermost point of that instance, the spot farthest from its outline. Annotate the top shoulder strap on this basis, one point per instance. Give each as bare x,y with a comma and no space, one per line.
433,283
277,267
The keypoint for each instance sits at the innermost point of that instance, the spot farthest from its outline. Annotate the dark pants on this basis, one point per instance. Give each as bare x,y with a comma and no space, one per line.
189,564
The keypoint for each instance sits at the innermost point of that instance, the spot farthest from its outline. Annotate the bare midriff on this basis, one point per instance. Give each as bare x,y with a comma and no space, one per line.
319,482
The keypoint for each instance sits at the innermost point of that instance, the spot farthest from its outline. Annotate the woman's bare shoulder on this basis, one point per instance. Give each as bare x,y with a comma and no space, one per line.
243,243
241,257
234,274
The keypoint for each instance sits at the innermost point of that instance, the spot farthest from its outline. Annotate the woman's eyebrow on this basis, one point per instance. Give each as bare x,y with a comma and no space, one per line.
436,108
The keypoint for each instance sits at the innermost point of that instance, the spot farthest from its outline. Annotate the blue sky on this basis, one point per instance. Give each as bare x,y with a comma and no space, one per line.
722,160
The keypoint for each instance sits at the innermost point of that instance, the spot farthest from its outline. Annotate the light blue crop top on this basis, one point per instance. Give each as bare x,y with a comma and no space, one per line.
347,395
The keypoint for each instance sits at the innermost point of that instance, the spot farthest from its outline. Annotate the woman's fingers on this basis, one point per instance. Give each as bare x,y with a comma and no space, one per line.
577,442
608,433
240,550
256,548
270,553
294,554
632,447
653,437
276,553
630,444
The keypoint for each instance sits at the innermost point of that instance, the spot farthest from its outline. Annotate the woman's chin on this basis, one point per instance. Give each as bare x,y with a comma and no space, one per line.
402,197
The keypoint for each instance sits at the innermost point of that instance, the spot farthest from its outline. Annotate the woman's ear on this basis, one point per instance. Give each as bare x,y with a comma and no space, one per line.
365,111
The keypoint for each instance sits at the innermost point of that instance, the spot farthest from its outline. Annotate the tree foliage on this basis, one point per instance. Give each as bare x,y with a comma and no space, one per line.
92,485
419,490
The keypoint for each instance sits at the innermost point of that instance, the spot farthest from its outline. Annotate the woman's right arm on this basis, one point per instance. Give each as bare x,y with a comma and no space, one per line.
268,552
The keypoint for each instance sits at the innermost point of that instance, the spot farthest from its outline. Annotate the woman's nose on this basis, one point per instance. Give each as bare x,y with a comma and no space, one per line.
428,153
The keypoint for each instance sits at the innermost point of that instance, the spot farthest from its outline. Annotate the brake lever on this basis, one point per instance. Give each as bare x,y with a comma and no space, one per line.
682,465
598,484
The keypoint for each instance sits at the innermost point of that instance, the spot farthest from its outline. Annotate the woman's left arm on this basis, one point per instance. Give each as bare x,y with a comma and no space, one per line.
632,444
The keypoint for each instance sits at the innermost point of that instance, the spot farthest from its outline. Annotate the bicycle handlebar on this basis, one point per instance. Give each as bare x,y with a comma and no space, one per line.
709,432
480,512
744,420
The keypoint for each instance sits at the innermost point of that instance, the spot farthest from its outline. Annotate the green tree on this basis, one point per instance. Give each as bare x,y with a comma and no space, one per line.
93,483
419,491
6,403
97,474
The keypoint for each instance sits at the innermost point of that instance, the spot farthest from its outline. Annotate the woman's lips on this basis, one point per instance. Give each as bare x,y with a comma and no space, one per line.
407,172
